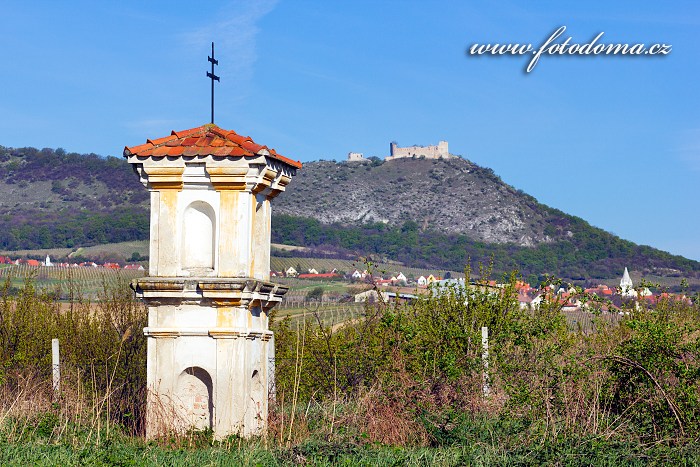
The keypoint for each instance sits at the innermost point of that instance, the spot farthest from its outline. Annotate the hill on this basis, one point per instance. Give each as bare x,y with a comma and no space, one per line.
449,213
53,199
438,214
451,196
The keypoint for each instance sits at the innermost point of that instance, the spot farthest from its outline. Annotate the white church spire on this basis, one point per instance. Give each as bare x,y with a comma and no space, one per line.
626,286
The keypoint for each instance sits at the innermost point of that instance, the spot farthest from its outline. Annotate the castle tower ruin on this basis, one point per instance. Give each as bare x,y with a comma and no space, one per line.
441,150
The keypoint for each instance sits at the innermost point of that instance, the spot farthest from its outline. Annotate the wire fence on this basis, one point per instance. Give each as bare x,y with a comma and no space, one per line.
588,322
329,314
88,280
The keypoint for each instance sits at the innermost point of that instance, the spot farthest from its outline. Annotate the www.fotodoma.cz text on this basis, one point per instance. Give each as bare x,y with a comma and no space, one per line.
558,48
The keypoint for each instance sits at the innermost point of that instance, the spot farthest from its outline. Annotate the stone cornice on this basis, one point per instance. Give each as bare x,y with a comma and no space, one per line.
228,178
216,333
243,291
258,174
164,177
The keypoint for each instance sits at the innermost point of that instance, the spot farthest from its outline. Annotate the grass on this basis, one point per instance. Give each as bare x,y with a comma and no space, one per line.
304,285
119,449
380,390
126,249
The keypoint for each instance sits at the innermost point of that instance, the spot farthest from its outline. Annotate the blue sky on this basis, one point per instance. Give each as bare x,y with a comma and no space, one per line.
614,140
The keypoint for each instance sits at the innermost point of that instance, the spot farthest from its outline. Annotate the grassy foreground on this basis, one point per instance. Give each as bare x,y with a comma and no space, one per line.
122,450
485,449
398,385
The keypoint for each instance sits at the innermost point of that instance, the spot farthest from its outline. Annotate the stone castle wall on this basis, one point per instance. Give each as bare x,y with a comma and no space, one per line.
429,152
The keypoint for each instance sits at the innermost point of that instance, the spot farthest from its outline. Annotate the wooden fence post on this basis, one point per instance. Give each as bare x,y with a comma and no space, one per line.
485,360
56,365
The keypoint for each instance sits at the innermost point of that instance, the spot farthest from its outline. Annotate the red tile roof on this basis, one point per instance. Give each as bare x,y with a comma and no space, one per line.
204,141
325,275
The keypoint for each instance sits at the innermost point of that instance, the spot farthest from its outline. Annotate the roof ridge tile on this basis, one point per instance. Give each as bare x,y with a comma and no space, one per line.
204,140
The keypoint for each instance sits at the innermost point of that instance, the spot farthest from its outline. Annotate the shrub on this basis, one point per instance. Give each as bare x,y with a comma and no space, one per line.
101,344
636,378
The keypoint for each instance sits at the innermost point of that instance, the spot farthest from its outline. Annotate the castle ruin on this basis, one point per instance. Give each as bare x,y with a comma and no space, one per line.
429,152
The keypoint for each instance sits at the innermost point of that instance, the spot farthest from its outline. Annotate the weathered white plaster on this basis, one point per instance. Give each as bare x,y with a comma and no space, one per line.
208,295
194,399
198,238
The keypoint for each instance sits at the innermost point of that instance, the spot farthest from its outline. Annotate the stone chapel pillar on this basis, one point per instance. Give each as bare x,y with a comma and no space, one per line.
208,291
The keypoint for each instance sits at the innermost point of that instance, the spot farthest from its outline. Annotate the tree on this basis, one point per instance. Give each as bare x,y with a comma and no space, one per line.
56,186
315,294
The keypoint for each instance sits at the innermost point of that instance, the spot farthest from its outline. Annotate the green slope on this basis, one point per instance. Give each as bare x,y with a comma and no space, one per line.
51,199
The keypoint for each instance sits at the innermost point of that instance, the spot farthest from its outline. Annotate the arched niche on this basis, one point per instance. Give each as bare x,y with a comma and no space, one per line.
198,238
194,397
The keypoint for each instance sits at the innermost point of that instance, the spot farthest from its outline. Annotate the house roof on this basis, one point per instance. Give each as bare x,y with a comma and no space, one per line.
325,275
524,298
205,140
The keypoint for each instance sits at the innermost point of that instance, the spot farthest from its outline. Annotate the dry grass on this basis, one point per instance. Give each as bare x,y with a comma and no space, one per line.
79,414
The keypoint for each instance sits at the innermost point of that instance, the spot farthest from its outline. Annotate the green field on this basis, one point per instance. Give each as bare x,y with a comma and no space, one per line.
86,280
124,250
90,280
299,287
122,450
348,266
111,250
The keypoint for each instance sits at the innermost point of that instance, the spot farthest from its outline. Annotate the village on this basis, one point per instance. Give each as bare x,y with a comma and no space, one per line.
85,264
349,233
400,287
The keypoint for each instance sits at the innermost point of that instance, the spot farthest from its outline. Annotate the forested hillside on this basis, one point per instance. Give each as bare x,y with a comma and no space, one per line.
425,213
50,198
589,254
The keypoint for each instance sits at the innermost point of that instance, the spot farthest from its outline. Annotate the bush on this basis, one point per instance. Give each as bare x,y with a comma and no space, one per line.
637,378
655,372
103,350
403,374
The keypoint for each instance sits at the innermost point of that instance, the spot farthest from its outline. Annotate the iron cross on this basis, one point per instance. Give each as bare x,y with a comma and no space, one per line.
213,78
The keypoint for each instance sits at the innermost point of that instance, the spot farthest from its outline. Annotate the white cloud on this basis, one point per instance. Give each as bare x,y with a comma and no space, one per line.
234,32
